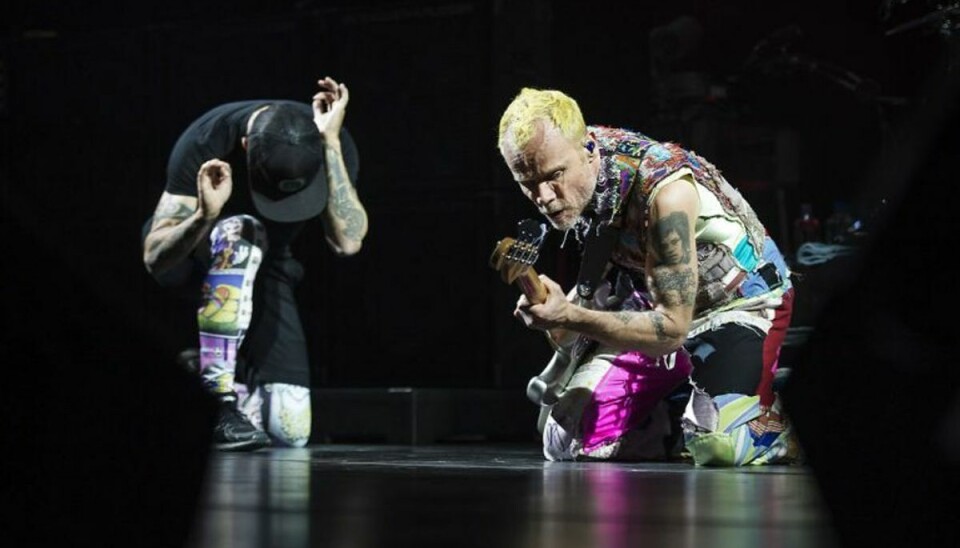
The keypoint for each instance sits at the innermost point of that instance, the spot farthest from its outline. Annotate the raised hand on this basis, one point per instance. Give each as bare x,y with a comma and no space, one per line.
214,186
330,107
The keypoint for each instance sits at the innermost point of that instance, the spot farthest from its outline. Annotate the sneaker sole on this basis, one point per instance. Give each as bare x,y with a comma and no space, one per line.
251,445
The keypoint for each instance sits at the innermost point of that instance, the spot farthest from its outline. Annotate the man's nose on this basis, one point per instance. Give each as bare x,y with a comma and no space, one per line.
545,193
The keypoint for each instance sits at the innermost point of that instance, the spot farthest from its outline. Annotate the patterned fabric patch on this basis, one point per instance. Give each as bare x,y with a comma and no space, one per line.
746,434
632,165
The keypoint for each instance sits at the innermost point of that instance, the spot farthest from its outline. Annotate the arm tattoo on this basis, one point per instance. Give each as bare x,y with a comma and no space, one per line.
623,316
179,238
671,239
168,208
657,319
674,287
342,203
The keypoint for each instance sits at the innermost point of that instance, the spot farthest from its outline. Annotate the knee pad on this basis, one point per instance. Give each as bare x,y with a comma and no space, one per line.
286,413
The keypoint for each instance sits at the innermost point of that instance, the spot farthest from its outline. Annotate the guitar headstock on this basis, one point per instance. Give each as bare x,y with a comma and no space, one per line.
514,257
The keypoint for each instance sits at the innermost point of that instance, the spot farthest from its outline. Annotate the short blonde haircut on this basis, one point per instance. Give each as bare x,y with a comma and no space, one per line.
520,122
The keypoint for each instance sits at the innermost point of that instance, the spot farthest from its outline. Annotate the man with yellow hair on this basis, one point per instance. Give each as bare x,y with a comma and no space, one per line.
694,291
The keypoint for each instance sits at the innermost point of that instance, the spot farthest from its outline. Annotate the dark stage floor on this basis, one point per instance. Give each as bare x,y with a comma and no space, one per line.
493,496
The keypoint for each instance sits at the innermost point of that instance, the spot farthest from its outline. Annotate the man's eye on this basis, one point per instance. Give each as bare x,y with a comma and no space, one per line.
556,175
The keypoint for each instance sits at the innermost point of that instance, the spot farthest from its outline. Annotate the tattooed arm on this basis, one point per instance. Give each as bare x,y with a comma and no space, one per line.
181,222
671,277
344,219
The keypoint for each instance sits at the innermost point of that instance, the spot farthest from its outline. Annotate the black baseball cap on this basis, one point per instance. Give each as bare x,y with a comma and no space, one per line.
287,170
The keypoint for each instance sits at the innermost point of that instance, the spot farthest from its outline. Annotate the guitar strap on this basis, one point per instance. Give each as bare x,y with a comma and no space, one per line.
598,246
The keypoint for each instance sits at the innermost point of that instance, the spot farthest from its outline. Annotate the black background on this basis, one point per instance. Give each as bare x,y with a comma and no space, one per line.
95,95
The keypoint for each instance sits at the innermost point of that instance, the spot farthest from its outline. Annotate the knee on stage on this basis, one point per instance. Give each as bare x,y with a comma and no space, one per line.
621,407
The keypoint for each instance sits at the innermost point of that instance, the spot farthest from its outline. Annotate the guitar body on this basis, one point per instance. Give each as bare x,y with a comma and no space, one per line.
545,388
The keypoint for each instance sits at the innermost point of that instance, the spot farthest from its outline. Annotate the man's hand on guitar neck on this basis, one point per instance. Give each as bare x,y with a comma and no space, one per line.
549,315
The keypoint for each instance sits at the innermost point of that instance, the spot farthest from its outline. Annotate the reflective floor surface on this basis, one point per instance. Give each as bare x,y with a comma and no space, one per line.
493,496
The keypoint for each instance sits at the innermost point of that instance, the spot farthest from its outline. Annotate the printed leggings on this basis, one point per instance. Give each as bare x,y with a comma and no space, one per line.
282,409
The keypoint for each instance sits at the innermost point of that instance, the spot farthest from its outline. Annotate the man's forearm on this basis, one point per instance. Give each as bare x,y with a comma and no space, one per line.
346,217
650,331
166,247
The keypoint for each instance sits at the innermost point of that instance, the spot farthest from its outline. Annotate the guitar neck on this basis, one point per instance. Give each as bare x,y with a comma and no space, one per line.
529,282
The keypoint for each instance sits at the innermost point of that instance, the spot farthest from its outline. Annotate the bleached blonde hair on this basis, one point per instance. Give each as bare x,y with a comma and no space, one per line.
520,121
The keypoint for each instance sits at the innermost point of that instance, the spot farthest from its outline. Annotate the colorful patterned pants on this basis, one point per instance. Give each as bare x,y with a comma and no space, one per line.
615,405
237,245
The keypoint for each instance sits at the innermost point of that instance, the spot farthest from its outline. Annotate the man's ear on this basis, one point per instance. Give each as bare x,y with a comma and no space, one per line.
591,146
243,142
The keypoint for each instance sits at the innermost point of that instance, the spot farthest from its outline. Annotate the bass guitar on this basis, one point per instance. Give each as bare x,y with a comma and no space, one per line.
514,259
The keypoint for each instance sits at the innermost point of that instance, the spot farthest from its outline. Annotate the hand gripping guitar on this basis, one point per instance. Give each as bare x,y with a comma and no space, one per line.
514,259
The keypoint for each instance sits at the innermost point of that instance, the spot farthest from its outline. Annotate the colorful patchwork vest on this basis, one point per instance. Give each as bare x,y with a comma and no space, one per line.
633,165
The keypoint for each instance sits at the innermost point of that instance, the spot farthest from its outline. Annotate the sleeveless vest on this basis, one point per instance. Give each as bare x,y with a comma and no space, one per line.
632,166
